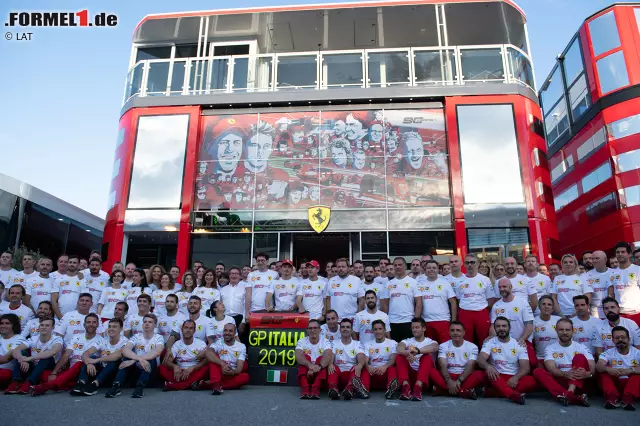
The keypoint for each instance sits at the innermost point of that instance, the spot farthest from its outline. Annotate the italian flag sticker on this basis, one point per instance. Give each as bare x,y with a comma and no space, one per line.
277,376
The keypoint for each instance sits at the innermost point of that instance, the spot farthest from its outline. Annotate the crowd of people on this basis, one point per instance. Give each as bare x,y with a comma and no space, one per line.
492,330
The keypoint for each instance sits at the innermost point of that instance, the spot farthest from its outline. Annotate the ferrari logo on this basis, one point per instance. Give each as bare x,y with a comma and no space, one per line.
319,217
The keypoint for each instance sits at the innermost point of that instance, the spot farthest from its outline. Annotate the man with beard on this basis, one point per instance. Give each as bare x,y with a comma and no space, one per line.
345,292
227,362
554,271
15,306
506,364
369,282
32,329
585,326
362,325
66,289
619,369
601,279
587,260
520,284
439,303
414,361
313,291
604,336
348,361
381,374
627,285
312,361
358,269
567,365
38,287
613,263
186,364
520,317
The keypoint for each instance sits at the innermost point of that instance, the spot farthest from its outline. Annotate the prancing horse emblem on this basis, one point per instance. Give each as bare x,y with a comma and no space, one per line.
319,217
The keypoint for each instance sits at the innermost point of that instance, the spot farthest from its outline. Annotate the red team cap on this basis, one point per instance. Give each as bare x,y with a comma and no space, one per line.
287,262
314,263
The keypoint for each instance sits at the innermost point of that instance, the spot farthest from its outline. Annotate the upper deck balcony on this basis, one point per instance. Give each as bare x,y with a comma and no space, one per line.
338,46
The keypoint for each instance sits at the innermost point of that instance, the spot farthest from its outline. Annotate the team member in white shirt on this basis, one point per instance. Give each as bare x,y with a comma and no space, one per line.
567,285
259,288
475,297
72,356
167,287
619,369
61,267
601,279
135,322
45,310
175,274
456,361
456,276
128,275
15,306
45,352
362,325
520,283
381,372
219,320
101,360
38,287
66,289
234,297
520,316
188,287
95,281
412,364
405,301
285,290
187,364
585,326
313,292
627,285
345,293
348,361
170,322
544,329
7,273
111,296
604,336
140,358
312,361
369,283
567,365
72,323
138,287
439,303
208,290
28,268
227,362
506,364
331,329
536,280
10,339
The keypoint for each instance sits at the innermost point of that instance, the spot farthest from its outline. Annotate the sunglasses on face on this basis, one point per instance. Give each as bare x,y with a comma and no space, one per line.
470,262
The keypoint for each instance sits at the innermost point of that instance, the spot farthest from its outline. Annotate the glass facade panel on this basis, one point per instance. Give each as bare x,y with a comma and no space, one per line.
266,243
482,65
199,77
147,53
553,91
631,196
520,67
44,230
485,151
230,249
598,139
557,122
157,78
604,33
573,64
158,162
81,240
566,197
435,67
8,220
415,244
561,169
263,74
420,218
134,81
343,70
601,208
624,127
612,72
219,74
177,77
596,177
628,161
297,72
388,69
579,97
240,81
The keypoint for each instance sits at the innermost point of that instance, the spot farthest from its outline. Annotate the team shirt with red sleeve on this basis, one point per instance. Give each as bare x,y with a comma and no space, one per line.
261,284
363,324
544,334
344,294
94,286
603,334
402,294
520,286
379,353
473,293
584,332
187,355
109,299
313,351
313,294
328,334
563,355
627,289
412,343
37,346
600,283
79,344
230,354
345,355
435,299
39,289
68,289
457,357
518,312
505,356
7,346
23,312
285,292
615,359
567,286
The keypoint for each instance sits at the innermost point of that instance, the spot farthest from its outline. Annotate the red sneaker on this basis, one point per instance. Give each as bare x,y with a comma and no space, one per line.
405,395
417,393
24,388
12,389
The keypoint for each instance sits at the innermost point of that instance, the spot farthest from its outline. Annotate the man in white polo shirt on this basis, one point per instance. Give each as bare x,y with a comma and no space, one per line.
619,369
345,293
66,289
536,280
260,287
604,337
39,286
312,362
349,360
439,303
187,363
380,372
627,285
15,306
285,290
405,301
414,361
520,283
602,281
369,282
313,291
362,325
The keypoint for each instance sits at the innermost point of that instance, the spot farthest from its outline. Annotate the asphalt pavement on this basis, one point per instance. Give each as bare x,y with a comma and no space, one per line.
262,405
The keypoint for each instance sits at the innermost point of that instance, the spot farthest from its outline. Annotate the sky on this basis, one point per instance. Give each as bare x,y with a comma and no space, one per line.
61,92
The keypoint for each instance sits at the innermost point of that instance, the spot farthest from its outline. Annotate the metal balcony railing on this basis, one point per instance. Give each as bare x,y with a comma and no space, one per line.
429,66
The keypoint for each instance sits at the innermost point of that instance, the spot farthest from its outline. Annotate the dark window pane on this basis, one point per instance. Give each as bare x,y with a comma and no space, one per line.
186,50
44,230
230,249
266,243
82,240
146,53
148,248
418,243
8,220
602,207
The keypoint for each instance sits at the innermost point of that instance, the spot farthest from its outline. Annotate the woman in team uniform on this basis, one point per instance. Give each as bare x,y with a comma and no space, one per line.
139,286
208,291
188,287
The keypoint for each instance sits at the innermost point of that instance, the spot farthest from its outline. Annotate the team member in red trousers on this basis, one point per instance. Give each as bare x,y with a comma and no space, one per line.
11,339
506,364
381,372
619,370
414,361
312,362
457,361
348,361
227,362
186,364
567,365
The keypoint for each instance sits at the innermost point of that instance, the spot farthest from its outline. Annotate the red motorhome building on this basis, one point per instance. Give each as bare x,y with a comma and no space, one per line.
416,122
591,103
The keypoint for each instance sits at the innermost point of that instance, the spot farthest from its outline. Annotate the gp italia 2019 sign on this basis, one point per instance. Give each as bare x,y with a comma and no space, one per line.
272,347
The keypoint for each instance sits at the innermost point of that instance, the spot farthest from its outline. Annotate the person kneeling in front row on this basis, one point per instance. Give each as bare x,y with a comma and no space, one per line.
414,361
381,373
227,363
187,364
619,370
312,361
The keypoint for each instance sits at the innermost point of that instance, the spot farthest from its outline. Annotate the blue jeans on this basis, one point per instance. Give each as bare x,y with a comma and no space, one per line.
104,372
35,371
143,376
